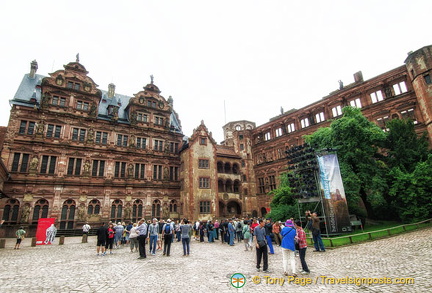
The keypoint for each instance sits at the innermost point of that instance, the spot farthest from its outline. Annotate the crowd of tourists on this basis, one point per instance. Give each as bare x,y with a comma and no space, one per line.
252,233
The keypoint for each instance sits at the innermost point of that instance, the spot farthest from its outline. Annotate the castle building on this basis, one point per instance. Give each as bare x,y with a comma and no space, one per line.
74,152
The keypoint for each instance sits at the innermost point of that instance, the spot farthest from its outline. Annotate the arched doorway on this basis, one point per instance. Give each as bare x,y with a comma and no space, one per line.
263,212
233,209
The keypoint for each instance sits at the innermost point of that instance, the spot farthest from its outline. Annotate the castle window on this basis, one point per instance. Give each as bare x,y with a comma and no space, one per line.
159,120
337,111
158,145
261,185
204,182
27,127
94,207
204,207
319,117
290,127
122,140
48,164
82,106
120,170
356,103
203,163
376,96
427,79
58,101
142,117
98,168
20,162
141,143
101,137
203,140
78,134
174,147
40,210
53,131
74,166
400,88
279,132
157,172
304,122
173,173
267,136
139,171
409,114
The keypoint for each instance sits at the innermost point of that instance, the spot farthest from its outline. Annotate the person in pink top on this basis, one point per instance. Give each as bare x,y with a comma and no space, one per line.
301,240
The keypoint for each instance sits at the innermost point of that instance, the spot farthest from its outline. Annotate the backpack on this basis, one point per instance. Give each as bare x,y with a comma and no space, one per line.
167,228
239,225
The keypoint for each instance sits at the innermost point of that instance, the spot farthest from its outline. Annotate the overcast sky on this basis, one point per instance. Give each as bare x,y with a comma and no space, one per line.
253,56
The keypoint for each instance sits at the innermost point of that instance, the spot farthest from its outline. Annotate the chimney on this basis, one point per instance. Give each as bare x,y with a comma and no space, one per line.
358,77
33,69
111,90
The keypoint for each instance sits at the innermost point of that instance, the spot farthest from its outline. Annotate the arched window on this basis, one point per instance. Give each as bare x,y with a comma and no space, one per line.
235,169
94,207
67,214
221,186
220,168
156,207
173,206
40,210
236,186
228,168
10,213
137,210
263,211
116,211
229,185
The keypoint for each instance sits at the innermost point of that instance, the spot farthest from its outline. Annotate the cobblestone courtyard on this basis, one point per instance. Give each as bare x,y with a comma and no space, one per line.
74,267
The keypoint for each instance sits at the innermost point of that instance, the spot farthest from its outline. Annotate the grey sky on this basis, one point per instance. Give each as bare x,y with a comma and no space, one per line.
257,56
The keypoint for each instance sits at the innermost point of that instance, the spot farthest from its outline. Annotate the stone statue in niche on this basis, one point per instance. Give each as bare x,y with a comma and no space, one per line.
130,170
127,212
40,128
25,214
33,165
81,213
92,112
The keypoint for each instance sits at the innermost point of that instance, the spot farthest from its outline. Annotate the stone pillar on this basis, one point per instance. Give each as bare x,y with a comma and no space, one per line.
62,238
2,243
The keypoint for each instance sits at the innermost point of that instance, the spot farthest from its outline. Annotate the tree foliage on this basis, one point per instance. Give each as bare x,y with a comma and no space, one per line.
386,175
411,192
283,205
357,141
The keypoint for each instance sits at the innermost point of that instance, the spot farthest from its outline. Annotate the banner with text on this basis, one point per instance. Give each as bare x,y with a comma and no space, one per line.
335,205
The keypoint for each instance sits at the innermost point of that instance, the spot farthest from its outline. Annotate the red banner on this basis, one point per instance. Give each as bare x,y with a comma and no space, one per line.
46,231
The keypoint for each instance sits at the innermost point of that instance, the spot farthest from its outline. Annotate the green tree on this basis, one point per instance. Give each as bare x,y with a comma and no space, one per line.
404,147
410,175
283,205
357,141
411,192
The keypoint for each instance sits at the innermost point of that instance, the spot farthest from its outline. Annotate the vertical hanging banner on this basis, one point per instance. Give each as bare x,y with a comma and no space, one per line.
46,231
335,204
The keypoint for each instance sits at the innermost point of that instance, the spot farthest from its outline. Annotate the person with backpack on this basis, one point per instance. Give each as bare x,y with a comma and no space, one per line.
210,234
239,231
288,234
268,227
246,235
167,236
20,234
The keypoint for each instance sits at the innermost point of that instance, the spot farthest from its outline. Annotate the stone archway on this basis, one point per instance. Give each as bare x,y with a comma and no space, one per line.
234,208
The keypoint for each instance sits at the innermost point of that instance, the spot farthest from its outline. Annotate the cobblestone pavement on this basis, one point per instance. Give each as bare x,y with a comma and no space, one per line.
74,267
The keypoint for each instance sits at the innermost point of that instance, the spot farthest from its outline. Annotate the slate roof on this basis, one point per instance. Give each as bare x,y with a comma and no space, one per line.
30,88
